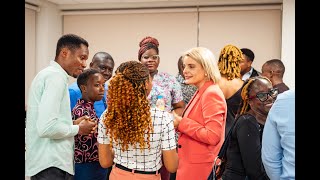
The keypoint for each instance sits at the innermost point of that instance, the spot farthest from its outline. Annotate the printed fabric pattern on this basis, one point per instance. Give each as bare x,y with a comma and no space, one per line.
166,85
86,147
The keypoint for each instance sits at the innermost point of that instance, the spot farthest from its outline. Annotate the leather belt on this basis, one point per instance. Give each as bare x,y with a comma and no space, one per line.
135,171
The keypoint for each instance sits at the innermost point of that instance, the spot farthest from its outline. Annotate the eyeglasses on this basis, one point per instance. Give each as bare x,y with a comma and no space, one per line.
263,96
153,57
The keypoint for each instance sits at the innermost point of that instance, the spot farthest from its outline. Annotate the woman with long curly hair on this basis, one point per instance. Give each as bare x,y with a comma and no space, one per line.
132,135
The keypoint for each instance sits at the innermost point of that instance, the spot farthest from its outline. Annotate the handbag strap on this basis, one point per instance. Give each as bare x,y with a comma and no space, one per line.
225,144
223,149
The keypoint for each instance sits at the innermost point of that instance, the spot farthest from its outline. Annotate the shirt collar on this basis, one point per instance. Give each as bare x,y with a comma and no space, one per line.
82,101
59,68
251,70
247,74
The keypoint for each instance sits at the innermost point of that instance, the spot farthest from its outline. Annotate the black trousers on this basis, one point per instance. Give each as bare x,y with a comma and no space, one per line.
52,173
109,172
173,176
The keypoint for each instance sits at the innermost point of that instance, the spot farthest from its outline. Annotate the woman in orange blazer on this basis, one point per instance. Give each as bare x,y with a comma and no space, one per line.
202,124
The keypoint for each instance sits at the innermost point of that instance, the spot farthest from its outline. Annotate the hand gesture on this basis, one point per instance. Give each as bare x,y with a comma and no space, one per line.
87,126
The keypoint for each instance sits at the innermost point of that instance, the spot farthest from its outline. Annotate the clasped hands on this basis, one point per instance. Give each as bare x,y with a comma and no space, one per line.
87,126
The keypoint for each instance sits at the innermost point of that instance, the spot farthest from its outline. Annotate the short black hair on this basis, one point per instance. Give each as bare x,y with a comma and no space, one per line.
277,65
84,76
248,53
71,41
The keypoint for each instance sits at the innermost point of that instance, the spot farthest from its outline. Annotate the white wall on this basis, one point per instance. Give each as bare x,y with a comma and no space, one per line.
288,42
120,34
30,47
49,30
43,27
257,28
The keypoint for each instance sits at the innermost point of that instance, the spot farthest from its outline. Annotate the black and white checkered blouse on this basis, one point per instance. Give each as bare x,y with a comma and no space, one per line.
163,138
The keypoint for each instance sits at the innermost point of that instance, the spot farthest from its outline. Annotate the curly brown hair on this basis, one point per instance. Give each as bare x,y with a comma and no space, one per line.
229,61
128,116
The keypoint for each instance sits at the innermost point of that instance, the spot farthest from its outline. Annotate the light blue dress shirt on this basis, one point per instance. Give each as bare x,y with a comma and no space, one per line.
278,140
49,128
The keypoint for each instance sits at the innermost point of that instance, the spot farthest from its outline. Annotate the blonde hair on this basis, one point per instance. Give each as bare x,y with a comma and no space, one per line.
207,60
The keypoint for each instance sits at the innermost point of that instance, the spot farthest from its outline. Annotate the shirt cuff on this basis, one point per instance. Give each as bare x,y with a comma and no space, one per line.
74,129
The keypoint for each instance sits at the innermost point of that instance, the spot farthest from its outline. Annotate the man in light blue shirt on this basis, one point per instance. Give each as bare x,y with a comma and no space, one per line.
49,127
103,62
278,140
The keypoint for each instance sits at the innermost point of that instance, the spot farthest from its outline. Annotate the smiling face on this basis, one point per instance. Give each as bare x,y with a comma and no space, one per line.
193,72
150,59
94,89
261,86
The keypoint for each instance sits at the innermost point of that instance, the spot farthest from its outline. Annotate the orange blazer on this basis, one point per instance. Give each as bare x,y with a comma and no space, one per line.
201,132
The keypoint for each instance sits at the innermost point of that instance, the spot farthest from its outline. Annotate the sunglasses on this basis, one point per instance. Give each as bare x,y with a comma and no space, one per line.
263,96
153,57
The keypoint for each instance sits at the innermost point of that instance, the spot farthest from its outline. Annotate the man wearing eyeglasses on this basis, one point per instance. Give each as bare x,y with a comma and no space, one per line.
274,70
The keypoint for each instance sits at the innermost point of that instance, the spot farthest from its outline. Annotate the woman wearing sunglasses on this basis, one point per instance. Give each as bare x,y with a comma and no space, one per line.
244,151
